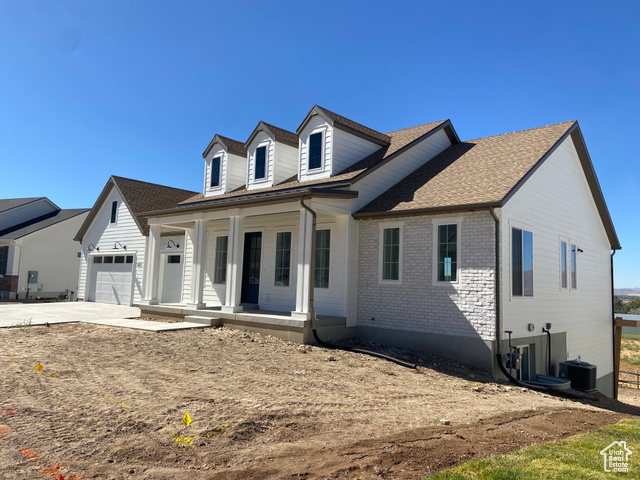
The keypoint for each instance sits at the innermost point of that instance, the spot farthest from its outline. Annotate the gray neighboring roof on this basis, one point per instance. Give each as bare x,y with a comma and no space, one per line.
485,173
9,203
279,134
229,144
139,197
36,224
347,125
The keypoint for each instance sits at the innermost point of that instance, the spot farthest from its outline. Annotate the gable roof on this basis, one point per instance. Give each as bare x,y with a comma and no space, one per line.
139,197
9,203
401,140
35,224
347,125
229,144
278,134
484,173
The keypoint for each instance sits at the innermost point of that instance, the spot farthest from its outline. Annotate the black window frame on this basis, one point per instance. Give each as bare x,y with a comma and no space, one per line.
260,162
322,270
315,151
4,259
220,267
282,272
446,246
520,255
391,253
114,211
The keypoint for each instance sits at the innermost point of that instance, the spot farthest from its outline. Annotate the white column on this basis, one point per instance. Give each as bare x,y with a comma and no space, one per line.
151,264
235,249
351,292
304,266
197,265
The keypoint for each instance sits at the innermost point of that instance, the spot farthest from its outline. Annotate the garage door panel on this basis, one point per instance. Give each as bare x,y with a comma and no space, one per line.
111,283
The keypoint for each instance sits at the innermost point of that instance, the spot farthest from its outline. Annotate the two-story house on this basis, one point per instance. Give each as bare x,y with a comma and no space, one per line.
411,237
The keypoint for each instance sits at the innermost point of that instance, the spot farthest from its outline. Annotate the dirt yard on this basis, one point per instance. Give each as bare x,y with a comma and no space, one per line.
108,404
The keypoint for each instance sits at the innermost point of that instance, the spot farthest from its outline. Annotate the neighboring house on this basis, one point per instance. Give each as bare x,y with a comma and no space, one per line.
113,238
421,240
38,257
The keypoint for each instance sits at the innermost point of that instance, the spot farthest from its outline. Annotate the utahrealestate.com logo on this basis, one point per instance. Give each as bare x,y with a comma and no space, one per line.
616,457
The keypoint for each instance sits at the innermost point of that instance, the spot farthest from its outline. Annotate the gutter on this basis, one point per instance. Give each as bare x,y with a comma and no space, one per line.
613,337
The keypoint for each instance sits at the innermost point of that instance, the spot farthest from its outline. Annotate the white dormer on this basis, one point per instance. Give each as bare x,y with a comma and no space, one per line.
272,156
225,166
330,143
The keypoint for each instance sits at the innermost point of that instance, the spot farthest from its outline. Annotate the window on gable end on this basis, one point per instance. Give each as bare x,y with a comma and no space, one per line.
261,163
315,151
521,263
114,211
574,272
216,163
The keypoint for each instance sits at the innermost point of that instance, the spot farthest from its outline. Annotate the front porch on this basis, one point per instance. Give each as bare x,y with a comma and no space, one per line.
278,324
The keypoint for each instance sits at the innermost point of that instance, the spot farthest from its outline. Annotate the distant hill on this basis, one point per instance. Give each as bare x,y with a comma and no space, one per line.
633,292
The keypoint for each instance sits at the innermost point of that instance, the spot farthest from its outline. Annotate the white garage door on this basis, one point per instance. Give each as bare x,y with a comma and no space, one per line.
112,279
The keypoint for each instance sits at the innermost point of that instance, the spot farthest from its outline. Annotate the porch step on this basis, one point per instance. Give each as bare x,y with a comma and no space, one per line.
208,321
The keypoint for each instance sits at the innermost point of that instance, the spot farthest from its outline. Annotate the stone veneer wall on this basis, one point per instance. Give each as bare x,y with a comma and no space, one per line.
9,283
465,309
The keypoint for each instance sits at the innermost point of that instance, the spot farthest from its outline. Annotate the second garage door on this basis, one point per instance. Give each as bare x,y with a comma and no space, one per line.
112,279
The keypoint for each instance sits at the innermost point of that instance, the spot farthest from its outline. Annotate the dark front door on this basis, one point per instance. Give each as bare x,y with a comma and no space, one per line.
251,267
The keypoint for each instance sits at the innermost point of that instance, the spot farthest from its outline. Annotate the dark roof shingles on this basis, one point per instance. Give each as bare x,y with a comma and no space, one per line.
9,203
18,231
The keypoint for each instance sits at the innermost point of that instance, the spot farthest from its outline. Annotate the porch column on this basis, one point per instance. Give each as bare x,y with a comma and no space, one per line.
304,266
151,264
235,247
199,240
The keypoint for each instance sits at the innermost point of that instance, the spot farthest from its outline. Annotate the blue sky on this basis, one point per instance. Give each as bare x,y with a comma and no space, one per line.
90,89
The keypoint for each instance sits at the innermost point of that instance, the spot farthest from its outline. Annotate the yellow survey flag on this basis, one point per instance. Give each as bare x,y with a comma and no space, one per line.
186,420
38,367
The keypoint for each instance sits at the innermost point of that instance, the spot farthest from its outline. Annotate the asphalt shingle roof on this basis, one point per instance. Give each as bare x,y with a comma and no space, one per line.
354,125
481,171
9,203
18,231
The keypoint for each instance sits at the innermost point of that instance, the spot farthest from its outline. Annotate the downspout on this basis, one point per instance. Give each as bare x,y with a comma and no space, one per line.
312,311
497,277
613,337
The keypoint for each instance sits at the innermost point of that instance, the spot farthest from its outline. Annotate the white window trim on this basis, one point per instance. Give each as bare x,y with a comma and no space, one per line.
254,158
520,226
568,258
118,203
215,255
323,167
382,227
222,157
320,290
292,280
436,223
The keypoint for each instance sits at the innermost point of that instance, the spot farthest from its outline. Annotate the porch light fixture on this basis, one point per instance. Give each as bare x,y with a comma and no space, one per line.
115,246
92,247
176,245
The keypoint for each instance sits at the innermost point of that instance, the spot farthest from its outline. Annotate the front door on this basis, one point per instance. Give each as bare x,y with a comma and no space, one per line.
251,268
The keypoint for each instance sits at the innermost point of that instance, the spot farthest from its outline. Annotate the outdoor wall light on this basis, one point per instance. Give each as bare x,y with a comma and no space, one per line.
177,245
91,247
115,246
580,250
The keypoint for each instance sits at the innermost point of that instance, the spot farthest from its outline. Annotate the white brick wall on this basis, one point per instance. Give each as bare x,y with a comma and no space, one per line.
465,309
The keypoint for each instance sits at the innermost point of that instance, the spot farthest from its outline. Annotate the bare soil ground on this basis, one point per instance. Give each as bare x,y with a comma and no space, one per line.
108,404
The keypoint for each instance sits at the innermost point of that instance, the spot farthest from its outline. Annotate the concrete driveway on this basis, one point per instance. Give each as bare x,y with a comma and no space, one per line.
62,312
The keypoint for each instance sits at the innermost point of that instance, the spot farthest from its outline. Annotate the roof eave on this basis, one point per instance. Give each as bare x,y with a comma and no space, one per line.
470,207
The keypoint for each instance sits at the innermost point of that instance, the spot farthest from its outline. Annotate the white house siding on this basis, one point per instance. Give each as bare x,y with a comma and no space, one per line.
218,151
102,234
236,172
188,261
53,254
400,167
286,162
26,212
214,294
261,139
556,202
466,309
315,125
348,149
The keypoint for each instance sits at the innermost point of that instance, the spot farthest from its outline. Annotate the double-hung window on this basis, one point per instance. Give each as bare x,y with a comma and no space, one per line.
215,171
521,263
220,268
315,151
390,254
323,250
283,259
261,163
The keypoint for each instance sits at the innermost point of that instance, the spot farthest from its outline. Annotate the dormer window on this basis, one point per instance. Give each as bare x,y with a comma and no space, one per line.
261,162
216,162
315,151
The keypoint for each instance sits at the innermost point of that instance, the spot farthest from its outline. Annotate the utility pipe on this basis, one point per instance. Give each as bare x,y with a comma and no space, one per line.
312,310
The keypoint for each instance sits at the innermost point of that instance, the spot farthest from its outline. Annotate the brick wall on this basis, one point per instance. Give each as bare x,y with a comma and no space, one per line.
464,309
9,283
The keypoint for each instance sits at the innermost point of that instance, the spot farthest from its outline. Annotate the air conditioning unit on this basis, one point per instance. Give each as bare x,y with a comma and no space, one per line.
581,374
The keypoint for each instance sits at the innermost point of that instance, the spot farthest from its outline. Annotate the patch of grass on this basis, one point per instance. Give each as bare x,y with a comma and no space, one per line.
184,441
630,348
24,324
577,457
216,431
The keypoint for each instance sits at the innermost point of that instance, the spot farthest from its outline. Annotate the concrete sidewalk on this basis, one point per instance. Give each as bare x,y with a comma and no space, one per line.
88,312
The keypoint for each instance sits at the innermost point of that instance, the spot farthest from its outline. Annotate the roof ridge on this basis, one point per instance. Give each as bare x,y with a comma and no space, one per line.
341,119
415,126
570,122
150,183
